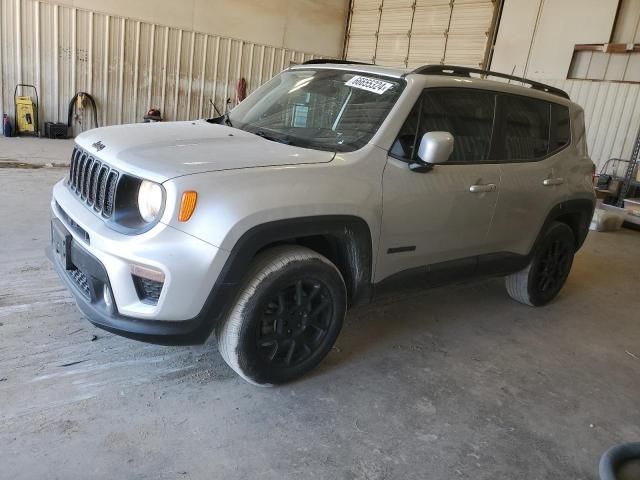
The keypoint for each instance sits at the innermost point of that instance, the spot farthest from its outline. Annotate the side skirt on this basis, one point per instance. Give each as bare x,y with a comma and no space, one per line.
451,272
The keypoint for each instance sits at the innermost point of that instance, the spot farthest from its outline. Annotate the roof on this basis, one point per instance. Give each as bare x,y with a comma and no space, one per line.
439,71
357,67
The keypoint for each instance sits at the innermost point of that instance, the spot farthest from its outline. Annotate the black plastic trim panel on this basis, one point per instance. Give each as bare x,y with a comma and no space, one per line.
408,248
580,210
458,71
333,61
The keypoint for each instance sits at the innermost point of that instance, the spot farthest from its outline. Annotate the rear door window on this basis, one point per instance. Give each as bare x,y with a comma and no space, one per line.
525,135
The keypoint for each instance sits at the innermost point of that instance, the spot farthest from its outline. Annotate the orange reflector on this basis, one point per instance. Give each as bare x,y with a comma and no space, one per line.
187,205
147,272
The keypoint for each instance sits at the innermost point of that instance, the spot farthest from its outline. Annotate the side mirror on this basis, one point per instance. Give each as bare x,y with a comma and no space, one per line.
435,148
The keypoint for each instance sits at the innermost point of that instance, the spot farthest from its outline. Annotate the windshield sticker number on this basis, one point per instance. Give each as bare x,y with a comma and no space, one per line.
369,84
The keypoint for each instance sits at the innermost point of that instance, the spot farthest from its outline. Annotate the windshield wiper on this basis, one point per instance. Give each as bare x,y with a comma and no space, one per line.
227,120
221,120
265,135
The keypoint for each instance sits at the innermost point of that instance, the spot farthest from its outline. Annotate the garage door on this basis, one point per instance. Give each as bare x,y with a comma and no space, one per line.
416,32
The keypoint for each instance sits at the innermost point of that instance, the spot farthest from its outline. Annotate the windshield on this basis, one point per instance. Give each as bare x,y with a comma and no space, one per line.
332,110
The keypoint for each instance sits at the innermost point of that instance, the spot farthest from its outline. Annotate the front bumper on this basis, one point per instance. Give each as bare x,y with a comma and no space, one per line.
185,332
188,306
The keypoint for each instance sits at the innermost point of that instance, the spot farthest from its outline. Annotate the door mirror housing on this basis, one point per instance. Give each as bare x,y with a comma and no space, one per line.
435,147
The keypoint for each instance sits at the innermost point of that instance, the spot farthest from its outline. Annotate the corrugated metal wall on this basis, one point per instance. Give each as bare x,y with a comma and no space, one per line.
130,66
612,115
127,65
409,33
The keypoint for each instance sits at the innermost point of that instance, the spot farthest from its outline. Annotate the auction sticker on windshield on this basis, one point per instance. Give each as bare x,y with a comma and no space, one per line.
369,84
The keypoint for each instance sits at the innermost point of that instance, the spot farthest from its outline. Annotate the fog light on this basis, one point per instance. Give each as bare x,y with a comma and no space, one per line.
108,299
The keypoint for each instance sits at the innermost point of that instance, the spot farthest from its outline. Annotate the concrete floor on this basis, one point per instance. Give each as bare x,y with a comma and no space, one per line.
459,382
34,152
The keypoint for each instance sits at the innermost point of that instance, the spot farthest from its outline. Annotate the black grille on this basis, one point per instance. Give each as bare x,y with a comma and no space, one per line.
82,281
93,182
148,290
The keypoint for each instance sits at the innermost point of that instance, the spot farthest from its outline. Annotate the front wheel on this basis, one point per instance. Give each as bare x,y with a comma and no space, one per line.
542,279
286,318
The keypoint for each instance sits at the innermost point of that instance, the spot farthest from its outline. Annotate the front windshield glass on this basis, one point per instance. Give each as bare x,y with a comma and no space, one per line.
332,110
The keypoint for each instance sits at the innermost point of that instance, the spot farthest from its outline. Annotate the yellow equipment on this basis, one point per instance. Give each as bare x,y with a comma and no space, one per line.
26,113
26,116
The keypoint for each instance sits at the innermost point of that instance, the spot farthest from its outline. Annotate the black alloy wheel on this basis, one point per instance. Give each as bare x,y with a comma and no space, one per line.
554,266
286,318
294,323
547,271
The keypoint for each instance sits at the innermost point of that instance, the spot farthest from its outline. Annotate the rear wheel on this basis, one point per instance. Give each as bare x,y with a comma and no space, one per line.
542,279
286,318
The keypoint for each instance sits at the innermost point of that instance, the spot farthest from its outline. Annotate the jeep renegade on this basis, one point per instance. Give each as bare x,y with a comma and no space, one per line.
327,183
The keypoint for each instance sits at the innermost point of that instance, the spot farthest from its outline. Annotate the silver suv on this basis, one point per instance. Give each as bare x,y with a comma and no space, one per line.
327,185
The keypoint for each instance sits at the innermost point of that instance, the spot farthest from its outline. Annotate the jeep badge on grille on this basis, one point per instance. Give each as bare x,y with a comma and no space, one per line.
98,145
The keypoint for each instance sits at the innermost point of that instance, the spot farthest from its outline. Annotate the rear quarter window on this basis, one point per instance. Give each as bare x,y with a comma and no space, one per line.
560,127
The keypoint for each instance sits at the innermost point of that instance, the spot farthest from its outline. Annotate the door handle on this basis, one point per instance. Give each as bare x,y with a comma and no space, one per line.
489,187
553,181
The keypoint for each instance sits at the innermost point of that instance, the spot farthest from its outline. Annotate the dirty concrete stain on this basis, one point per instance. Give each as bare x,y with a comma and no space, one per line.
31,166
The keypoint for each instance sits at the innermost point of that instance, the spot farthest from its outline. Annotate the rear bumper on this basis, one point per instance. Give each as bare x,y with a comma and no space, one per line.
92,305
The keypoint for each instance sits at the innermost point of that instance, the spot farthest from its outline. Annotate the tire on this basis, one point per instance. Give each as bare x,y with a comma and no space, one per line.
544,277
286,318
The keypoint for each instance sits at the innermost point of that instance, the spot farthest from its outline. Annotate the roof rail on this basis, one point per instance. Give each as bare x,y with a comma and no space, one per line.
458,71
336,61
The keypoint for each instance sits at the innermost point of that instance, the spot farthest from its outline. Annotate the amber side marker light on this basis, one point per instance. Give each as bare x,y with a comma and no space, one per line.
187,205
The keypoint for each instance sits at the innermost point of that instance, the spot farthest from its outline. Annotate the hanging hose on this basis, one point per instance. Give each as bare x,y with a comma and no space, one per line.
241,90
82,96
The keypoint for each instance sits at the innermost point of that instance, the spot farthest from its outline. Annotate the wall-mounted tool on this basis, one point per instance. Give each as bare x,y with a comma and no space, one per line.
79,101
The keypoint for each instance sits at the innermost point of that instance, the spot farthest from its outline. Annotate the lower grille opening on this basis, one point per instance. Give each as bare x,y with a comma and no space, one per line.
82,281
148,290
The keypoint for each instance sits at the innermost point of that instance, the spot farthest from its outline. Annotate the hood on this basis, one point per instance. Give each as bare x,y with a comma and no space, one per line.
164,150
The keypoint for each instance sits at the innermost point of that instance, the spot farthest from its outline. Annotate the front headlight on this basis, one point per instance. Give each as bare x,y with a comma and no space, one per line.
150,198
